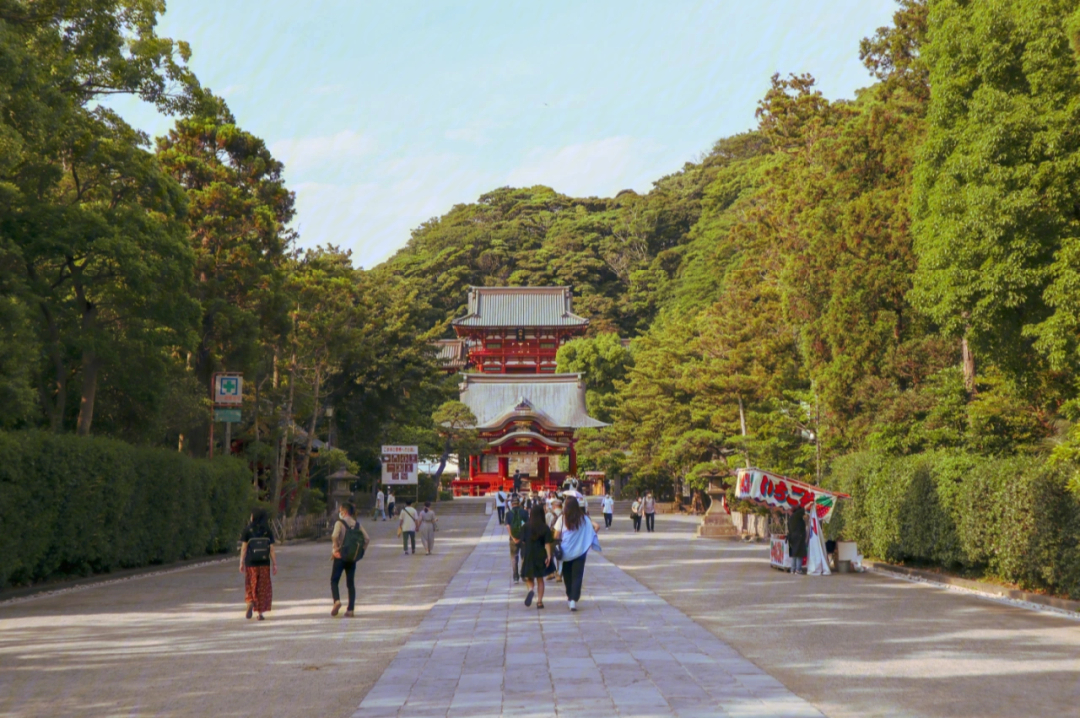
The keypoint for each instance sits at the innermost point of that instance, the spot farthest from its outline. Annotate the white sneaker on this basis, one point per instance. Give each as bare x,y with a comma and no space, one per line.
573,605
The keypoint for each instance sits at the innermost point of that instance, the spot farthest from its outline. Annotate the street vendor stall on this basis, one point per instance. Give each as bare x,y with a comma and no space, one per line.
791,496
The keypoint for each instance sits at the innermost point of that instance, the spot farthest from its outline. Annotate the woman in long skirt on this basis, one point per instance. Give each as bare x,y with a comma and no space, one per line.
257,562
428,521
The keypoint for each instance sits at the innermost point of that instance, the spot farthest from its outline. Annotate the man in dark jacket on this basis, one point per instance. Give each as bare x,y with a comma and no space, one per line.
515,525
796,538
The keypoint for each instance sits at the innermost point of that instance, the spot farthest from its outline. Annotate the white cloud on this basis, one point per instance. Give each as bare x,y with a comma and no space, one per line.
598,168
374,219
307,153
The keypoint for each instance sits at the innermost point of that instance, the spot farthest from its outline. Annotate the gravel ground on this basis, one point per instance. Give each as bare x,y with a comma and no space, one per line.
177,644
860,644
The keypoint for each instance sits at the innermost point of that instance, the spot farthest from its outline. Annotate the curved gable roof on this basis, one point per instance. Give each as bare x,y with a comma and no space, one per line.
497,398
520,307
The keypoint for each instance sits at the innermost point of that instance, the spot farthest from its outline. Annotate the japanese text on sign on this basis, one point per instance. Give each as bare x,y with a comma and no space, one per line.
399,465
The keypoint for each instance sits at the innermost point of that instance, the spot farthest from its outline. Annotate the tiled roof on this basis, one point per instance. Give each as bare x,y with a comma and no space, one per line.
557,400
520,307
451,352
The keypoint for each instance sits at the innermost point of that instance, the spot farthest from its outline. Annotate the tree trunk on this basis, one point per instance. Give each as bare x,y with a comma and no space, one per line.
742,426
90,367
90,362
58,405
255,463
311,429
442,464
967,359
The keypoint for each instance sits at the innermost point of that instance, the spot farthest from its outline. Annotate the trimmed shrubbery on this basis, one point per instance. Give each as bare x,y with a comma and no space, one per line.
75,506
1014,518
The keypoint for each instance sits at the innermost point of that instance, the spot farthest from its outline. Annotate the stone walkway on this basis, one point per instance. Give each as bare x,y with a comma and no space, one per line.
480,652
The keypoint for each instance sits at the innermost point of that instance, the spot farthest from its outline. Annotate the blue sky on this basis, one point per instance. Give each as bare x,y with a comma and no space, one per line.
389,113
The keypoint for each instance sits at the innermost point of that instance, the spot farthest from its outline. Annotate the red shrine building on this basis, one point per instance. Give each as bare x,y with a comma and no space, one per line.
526,413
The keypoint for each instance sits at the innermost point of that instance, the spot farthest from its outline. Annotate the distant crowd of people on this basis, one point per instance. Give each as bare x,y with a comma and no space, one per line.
550,535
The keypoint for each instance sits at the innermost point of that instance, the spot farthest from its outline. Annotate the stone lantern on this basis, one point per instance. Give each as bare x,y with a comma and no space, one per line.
716,523
338,487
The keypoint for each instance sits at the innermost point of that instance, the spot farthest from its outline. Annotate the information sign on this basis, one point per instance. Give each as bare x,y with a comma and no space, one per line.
228,389
229,416
400,465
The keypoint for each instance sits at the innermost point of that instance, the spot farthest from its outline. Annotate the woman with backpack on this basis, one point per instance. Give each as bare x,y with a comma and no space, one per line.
428,523
537,559
347,547
576,533
257,561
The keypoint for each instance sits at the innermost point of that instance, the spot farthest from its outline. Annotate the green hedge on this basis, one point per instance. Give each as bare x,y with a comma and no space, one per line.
1010,518
73,506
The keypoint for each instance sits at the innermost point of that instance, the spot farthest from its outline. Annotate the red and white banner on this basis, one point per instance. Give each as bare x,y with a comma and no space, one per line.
780,492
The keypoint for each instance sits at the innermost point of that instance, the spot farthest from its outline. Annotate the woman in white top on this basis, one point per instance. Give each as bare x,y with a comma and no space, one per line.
407,523
635,513
553,514
577,534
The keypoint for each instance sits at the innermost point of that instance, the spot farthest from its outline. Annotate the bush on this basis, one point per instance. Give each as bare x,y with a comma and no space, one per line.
446,496
74,506
1013,518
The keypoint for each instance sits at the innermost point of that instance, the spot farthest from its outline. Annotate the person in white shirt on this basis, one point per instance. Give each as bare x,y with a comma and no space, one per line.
500,505
607,506
553,514
635,513
380,507
390,503
407,524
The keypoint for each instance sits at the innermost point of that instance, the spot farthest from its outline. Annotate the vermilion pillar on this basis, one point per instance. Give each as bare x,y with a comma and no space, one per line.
542,468
504,466
573,459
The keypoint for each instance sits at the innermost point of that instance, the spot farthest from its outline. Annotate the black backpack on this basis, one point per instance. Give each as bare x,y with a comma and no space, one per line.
258,550
353,544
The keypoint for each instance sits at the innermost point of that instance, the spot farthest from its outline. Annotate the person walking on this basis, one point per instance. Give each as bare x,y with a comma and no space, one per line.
429,522
649,508
515,523
553,514
537,559
607,506
500,505
380,506
390,502
796,538
407,523
635,513
258,561
347,545
576,533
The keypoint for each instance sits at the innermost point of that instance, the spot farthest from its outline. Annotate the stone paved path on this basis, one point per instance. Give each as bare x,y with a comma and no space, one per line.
480,652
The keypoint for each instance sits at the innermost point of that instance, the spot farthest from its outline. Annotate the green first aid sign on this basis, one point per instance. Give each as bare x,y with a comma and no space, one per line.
228,389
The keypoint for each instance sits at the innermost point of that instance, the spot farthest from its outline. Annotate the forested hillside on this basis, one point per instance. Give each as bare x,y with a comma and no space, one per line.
885,276
876,286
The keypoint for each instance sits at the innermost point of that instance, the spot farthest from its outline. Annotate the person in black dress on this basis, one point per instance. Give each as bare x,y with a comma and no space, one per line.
537,560
796,537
